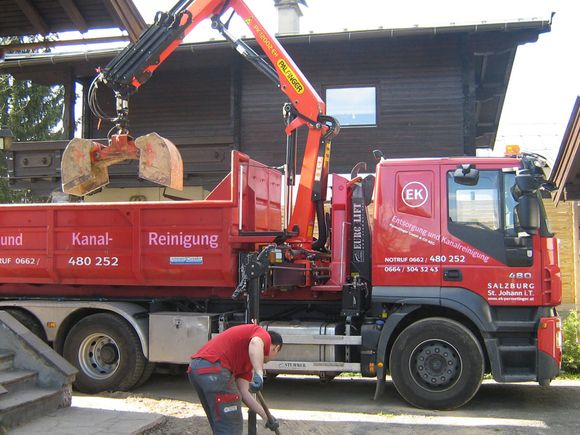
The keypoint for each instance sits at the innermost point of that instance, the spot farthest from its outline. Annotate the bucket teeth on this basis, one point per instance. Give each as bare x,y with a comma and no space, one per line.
84,166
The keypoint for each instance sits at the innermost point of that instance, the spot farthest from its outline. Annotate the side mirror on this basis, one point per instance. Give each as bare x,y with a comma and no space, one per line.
528,213
466,174
525,184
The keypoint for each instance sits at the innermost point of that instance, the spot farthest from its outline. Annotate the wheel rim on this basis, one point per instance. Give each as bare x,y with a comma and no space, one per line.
435,365
99,356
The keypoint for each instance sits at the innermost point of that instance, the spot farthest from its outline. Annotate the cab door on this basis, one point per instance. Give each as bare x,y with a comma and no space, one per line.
481,246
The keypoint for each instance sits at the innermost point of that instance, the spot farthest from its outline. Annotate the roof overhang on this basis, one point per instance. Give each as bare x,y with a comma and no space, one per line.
46,17
526,31
566,172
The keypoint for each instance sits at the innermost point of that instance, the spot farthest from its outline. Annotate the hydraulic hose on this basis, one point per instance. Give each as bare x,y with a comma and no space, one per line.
322,232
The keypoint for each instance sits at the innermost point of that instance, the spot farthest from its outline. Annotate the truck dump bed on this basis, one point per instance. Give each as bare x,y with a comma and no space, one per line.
192,243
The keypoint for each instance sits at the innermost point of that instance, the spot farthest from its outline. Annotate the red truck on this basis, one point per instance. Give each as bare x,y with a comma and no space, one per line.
454,274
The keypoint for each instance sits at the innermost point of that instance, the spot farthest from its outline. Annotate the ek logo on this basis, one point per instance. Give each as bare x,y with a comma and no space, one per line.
414,194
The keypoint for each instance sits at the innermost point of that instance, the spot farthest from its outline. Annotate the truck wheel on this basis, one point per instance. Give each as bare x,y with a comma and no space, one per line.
147,372
107,353
29,321
437,363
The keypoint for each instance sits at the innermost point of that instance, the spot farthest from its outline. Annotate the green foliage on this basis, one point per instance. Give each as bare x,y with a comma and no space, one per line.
571,345
33,112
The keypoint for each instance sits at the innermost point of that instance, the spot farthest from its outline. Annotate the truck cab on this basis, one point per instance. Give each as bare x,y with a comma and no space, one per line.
465,240
468,231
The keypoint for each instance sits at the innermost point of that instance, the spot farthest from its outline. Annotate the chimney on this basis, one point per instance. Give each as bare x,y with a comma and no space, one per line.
288,16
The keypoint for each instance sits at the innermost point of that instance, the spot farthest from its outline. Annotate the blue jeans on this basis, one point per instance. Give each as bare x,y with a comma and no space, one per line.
219,396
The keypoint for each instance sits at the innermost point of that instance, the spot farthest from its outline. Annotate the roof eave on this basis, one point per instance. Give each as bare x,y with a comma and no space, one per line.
566,171
540,25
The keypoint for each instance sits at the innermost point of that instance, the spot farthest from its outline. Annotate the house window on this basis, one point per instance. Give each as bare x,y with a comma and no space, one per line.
353,107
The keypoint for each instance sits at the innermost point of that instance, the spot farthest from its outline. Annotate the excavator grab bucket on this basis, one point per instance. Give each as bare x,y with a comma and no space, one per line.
160,161
84,166
79,175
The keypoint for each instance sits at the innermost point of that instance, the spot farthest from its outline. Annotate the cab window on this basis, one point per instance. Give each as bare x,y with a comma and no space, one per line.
476,213
476,206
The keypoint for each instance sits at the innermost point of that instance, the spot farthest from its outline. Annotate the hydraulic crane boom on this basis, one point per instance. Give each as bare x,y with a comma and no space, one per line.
137,62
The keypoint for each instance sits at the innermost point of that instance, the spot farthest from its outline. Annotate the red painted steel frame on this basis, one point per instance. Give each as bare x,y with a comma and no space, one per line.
300,92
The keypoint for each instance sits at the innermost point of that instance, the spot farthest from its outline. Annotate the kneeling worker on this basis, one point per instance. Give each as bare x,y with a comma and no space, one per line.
229,366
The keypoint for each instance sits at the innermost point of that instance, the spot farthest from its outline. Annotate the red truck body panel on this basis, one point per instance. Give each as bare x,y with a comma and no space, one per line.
193,243
190,249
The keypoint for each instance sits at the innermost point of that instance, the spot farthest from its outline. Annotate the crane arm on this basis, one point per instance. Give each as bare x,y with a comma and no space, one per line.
136,63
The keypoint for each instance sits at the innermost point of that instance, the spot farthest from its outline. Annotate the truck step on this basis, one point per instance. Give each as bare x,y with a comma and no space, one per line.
345,340
22,406
515,326
6,359
15,379
514,348
311,366
524,377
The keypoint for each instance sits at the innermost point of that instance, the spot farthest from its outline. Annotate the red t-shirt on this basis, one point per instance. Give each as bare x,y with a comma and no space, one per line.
230,348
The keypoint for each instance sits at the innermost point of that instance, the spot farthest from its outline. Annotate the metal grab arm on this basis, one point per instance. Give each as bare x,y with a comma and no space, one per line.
137,62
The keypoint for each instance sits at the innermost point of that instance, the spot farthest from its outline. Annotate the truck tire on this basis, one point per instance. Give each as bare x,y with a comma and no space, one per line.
29,321
107,353
437,363
147,372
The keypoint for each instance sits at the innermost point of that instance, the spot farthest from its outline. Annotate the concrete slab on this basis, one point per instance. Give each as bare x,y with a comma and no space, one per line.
93,416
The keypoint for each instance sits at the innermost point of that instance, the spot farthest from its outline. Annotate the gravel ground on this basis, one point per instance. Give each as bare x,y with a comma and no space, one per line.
345,406
188,418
